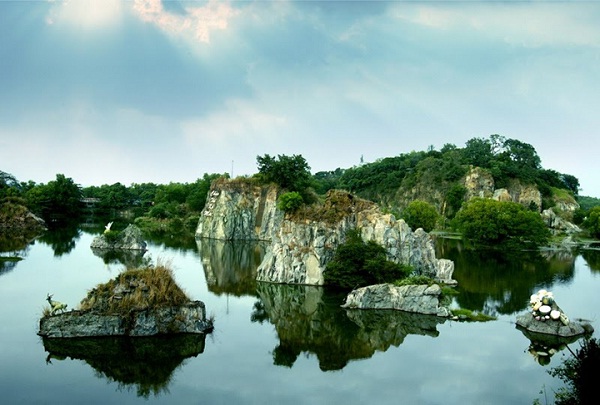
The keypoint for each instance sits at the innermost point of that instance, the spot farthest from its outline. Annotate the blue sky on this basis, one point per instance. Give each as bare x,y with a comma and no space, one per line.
150,91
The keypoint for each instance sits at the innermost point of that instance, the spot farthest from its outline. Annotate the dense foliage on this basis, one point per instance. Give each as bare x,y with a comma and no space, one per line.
290,201
501,224
420,214
579,375
291,173
357,264
58,201
592,222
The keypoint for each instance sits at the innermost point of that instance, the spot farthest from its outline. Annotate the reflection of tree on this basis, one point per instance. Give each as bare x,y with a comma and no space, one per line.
230,267
310,319
146,363
501,282
62,239
13,247
592,258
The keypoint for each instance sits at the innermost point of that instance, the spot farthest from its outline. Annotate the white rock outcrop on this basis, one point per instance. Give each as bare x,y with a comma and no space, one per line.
301,248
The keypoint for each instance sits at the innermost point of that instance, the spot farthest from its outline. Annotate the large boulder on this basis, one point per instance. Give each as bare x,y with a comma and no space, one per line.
130,238
422,299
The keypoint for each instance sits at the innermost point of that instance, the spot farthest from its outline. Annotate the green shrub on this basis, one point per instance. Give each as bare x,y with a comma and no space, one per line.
592,222
501,225
358,264
420,214
290,202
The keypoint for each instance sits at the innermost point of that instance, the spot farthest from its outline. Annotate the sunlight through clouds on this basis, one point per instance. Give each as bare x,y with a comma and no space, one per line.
199,21
86,13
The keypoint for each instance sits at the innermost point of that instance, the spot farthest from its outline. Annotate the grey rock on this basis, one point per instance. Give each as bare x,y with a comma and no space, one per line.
528,322
190,318
422,299
130,238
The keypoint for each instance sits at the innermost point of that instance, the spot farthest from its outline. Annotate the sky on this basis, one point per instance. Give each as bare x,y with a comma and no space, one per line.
149,91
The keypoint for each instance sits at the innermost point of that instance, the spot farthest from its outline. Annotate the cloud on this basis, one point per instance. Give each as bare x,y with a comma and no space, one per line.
86,13
198,21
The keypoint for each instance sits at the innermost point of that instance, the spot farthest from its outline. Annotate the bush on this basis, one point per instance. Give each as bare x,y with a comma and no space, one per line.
420,214
501,224
290,202
358,264
592,222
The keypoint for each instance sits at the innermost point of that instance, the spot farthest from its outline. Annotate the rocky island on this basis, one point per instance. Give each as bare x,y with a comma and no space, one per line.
138,302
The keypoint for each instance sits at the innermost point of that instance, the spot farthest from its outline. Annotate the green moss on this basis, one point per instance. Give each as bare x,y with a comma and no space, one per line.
468,315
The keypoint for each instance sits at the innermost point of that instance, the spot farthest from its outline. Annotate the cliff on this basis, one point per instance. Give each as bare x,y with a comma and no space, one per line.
303,244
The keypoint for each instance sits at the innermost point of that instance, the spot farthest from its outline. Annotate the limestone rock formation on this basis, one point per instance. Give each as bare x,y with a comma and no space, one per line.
138,302
558,224
422,299
130,238
479,183
188,318
303,244
239,210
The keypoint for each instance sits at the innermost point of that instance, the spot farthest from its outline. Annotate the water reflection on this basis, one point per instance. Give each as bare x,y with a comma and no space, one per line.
230,268
309,319
543,347
62,239
145,364
128,258
501,282
14,246
592,258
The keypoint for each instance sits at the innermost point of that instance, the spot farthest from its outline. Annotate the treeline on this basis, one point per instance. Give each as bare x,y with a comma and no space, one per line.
62,201
505,159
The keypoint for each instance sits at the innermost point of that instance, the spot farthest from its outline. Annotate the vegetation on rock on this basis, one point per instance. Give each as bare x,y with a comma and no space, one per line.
136,289
420,214
501,224
358,264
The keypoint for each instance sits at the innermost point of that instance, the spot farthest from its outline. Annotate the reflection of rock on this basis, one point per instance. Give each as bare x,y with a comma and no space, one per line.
543,346
128,258
144,363
422,299
310,319
230,267
129,238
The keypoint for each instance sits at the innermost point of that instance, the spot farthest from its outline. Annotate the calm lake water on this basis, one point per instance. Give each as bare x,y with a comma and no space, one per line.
285,344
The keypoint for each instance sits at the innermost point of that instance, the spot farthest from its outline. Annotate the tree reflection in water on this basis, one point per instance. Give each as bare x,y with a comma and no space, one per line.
144,363
310,319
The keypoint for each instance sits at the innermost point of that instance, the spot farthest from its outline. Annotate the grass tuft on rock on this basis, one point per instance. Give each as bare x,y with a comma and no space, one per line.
137,289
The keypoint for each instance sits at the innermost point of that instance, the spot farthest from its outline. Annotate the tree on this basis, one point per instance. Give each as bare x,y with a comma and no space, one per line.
501,224
291,173
420,214
592,222
58,201
357,264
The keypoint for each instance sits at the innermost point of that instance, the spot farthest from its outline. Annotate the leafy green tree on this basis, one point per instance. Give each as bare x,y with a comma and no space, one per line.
290,201
57,201
291,173
592,222
501,224
357,264
421,214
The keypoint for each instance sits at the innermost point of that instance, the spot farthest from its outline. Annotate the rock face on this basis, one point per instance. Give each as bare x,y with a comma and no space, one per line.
16,217
128,239
190,318
422,299
302,246
238,210
558,224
